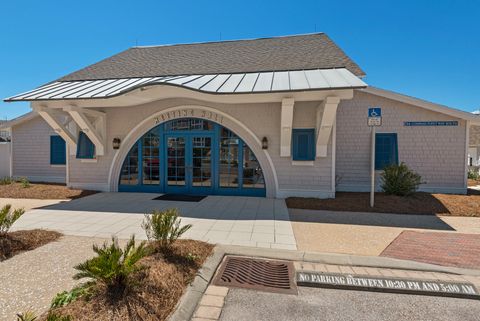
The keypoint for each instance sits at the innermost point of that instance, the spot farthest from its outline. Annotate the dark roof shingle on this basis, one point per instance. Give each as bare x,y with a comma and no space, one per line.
313,51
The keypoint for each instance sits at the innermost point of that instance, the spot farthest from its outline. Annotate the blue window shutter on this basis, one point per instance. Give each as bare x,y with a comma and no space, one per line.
386,150
85,147
303,144
58,155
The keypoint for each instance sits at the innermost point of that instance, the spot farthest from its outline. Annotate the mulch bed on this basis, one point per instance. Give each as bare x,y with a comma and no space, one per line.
159,287
19,241
42,191
473,182
418,203
448,249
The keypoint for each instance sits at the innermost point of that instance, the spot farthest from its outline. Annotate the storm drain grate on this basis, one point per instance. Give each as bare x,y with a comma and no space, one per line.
257,274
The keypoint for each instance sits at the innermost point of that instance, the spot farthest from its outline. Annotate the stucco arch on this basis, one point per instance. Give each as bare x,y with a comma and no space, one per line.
197,111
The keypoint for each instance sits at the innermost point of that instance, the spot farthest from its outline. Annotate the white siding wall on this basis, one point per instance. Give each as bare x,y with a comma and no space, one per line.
4,159
31,152
436,153
262,119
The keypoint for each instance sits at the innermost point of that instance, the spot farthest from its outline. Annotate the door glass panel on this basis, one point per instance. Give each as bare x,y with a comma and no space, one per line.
151,158
188,124
201,161
129,173
176,161
228,171
252,172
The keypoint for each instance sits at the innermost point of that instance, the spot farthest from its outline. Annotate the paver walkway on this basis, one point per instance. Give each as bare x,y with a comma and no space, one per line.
248,221
448,249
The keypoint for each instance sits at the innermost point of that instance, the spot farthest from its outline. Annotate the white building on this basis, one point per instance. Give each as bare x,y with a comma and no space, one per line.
273,117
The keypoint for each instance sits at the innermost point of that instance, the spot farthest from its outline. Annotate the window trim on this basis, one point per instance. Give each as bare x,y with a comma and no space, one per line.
311,151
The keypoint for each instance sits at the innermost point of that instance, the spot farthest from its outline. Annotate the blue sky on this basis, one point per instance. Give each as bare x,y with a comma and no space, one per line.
427,49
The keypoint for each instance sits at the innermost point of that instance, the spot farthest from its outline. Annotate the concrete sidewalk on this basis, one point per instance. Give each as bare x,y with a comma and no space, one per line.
28,203
247,221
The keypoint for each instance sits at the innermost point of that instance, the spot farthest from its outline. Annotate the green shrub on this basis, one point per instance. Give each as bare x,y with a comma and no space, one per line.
164,227
7,180
52,316
25,183
113,266
7,218
27,316
473,174
66,297
191,257
400,180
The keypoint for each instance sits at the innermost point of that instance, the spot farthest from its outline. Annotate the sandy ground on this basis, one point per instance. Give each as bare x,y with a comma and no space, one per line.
28,203
31,279
366,233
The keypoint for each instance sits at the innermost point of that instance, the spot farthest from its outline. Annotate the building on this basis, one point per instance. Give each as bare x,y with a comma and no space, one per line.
4,133
275,117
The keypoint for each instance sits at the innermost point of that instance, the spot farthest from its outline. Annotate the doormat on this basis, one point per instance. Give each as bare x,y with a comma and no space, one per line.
180,198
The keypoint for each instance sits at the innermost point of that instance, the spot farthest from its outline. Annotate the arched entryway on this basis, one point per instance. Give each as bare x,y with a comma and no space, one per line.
192,156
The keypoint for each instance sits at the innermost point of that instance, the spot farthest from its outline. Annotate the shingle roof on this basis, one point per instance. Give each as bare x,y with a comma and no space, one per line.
312,51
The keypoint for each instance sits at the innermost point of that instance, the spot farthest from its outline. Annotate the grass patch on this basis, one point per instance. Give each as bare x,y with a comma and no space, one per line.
16,242
158,286
41,191
417,203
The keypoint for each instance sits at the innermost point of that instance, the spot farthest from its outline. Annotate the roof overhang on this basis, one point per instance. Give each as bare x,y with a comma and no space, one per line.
215,84
423,104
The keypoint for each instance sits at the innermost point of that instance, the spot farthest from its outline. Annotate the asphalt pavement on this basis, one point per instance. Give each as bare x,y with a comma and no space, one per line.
345,305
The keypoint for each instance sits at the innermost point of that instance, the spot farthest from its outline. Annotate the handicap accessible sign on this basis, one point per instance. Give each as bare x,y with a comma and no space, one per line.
374,116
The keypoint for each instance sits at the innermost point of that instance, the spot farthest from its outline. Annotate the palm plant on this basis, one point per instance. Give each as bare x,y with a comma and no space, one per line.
164,227
8,217
113,266
27,316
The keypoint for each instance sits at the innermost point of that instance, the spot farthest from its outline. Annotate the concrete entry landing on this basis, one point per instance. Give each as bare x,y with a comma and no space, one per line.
236,220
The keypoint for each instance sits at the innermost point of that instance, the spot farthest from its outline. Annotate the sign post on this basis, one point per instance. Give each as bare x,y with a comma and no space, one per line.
374,120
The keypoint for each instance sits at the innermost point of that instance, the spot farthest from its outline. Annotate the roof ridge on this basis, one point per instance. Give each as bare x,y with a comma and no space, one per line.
229,40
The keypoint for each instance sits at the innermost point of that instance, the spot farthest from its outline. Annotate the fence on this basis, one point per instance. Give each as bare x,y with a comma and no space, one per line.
4,159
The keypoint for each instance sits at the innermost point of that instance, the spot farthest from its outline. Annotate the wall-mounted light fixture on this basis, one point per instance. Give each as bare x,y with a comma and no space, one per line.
264,143
116,143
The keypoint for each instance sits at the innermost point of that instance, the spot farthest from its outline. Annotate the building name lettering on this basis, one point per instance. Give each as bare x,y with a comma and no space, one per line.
431,123
181,113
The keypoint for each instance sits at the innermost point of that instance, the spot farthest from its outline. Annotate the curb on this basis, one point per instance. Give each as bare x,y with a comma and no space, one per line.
188,302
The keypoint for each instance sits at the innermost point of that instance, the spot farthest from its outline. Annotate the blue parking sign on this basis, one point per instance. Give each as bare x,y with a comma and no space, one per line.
375,112
374,116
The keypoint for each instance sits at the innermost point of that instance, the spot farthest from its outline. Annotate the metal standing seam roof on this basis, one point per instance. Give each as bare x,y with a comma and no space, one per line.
233,83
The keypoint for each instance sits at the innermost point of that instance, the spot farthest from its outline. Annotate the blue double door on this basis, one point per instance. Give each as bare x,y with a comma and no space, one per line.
191,156
189,163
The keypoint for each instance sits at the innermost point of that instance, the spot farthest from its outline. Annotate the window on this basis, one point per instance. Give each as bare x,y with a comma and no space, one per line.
57,151
129,173
386,150
229,150
303,144
85,147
